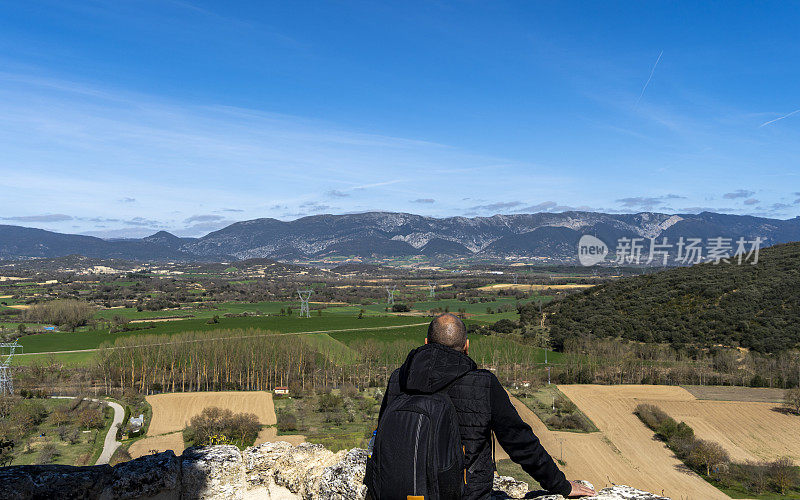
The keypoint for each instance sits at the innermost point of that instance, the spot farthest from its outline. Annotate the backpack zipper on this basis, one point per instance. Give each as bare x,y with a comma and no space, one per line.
416,449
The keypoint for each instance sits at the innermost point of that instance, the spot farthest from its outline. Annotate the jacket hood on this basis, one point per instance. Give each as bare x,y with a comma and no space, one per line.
432,367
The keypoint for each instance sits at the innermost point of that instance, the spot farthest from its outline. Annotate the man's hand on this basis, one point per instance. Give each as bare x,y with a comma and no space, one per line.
579,490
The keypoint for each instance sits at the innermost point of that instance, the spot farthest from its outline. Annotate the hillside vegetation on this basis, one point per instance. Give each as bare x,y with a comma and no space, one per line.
750,306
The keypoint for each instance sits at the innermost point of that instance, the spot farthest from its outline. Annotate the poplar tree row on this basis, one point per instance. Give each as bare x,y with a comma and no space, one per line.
206,361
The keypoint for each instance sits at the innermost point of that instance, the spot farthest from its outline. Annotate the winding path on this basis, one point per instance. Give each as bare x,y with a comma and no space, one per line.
110,444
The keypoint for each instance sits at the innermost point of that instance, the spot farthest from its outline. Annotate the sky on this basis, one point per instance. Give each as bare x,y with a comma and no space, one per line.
123,118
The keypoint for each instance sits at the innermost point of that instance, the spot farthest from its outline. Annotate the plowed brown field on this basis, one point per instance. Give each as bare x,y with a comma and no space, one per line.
158,444
747,430
171,412
624,451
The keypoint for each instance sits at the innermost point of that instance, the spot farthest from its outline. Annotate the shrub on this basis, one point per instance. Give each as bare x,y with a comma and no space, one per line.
132,397
61,416
334,418
572,421
125,419
350,391
504,326
7,405
74,436
91,417
7,446
564,405
700,455
752,475
682,445
707,455
47,453
29,414
243,427
783,474
651,415
329,402
133,434
68,313
221,425
287,422
791,398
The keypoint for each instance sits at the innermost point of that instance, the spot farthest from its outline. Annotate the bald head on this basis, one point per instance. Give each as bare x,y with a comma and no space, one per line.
448,330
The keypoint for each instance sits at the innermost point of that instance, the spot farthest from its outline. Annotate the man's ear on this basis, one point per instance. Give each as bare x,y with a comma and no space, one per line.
466,347
426,340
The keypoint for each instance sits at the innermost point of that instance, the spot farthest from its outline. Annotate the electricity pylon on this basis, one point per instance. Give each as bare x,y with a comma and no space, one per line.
390,293
432,286
304,296
6,383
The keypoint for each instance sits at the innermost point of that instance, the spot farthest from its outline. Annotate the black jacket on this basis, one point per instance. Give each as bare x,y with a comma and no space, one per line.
482,406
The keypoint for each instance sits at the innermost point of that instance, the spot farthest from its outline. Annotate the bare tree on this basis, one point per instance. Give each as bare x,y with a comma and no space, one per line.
708,454
784,474
791,398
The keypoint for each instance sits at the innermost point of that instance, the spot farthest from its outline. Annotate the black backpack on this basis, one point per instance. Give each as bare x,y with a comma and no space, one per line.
417,450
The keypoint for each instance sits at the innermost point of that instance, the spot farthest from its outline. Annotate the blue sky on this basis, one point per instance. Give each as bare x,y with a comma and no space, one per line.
124,118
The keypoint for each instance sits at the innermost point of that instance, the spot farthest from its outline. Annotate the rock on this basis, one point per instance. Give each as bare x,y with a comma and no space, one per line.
213,472
261,462
344,481
508,487
301,467
145,477
619,492
24,482
276,471
626,493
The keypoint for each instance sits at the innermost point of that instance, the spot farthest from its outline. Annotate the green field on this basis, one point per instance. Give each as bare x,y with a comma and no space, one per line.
483,349
341,347
336,351
92,339
218,309
64,358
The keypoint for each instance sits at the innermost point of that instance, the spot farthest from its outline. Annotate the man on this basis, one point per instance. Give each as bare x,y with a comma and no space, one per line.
482,407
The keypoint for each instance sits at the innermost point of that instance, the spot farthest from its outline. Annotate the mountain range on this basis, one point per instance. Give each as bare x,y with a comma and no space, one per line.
551,237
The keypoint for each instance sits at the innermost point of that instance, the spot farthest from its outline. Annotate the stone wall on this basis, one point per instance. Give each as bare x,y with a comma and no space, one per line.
269,471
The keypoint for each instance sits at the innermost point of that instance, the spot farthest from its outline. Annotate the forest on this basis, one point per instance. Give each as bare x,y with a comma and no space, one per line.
755,307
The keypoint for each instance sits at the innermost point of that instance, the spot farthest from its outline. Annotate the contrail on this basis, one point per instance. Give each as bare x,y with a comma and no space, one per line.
781,118
652,71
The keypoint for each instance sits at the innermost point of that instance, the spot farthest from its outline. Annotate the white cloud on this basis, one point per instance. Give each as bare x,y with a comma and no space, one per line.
740,193
39,218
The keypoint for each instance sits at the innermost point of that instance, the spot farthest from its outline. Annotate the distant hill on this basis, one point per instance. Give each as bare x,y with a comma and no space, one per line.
751,306
167,240
552,236
23,242
548,236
